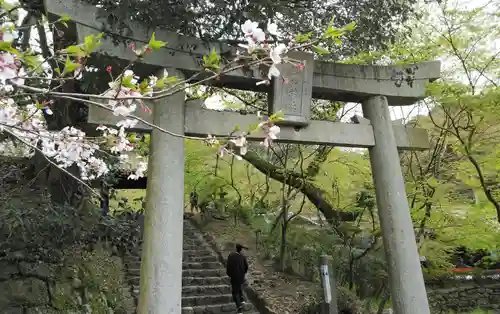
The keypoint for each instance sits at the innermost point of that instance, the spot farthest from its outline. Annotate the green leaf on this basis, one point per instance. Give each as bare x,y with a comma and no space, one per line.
32,62
75,51
252,127
91,43
350,27
212,60
156,44
333,32
164,81
277,116
5,46
127,81
320,50
70,66
302,38
144,86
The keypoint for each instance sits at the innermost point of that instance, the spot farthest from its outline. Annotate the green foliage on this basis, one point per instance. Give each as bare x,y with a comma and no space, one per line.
96,274
156,44
212,61
91,44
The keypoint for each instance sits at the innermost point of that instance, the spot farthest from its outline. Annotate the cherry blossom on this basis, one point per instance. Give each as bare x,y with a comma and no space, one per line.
259,35
120,106
8,67
273,71
124,110
211,140
127,124
142,167
8,113
272,28
6,36
241,142
271,130
251,46
276,53
252,30
249,27
72,147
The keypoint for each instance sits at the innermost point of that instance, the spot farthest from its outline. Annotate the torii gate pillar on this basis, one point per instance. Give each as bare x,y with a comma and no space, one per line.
161,265
406,280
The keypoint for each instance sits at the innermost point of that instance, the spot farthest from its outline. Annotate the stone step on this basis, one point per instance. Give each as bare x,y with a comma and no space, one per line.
135,290
194,246
199,300
200,259
191,236
197,252
216,309
129,259
204,281
133,264
203,272
206,290
191,242
207,265
134,280
190,262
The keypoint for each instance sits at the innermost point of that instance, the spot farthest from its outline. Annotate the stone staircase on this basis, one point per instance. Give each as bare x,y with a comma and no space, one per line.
205,286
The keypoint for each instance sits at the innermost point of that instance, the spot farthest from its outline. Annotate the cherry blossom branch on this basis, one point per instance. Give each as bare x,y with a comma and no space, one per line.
70,96
102,97
53,163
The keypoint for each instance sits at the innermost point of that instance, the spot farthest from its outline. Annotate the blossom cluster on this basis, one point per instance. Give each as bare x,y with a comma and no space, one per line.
257,40
66,147
70,146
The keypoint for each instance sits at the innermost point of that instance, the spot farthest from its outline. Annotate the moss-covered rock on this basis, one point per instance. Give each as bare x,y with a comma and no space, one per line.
20,292
95,279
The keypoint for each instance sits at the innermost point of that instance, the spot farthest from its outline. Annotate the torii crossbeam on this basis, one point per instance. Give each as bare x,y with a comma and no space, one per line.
373,86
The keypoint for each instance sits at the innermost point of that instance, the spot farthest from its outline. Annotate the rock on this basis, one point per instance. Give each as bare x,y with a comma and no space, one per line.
16,255
29,291
7,270
41,310
13,310
76,283
39,270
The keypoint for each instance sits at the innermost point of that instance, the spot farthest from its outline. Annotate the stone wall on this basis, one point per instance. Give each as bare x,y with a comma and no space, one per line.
85,282
463,296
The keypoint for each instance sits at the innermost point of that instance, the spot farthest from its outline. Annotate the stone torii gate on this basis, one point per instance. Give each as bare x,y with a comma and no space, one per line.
372,86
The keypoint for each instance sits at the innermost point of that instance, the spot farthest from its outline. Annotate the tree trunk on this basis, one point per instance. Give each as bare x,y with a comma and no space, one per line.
284,227
315,194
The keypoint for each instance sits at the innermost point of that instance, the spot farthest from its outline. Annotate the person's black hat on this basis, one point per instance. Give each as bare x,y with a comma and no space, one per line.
239,247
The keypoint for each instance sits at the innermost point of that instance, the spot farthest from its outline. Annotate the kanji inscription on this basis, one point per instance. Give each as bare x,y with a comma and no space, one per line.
291,94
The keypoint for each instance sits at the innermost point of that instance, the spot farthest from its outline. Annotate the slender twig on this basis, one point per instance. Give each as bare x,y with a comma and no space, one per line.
53,163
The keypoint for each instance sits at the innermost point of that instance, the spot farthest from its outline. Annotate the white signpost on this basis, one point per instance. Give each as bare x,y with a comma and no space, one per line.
373,86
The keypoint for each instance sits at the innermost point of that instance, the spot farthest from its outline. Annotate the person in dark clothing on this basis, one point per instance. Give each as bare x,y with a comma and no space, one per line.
193,200
237,267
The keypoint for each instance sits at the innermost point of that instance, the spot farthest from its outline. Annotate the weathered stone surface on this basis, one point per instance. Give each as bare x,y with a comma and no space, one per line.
333,81
13,310
29,291
292,95
465,297
7,270
41,310
205,286
40,270
199,121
